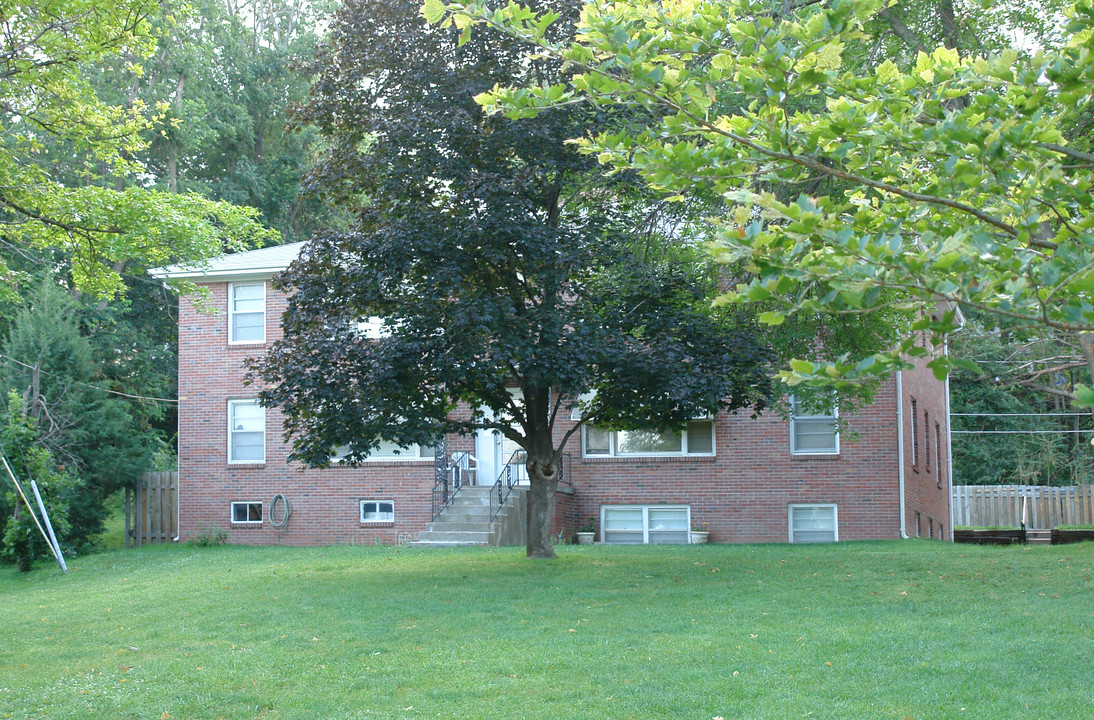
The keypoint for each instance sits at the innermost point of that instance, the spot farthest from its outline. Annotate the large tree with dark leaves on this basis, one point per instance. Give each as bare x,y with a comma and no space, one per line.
515,280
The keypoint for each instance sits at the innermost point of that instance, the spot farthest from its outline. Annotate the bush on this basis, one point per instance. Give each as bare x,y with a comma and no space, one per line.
208,536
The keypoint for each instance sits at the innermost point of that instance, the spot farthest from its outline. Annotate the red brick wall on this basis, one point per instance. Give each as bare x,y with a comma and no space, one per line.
927,479
742,493
325,503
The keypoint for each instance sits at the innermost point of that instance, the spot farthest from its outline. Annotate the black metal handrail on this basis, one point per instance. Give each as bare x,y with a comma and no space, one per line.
452,474
564,477
508,478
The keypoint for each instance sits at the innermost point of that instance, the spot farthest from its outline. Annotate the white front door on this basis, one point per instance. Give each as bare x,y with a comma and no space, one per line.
493,451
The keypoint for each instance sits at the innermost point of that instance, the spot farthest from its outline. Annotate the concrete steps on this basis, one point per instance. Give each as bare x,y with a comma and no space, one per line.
1038,537
466,521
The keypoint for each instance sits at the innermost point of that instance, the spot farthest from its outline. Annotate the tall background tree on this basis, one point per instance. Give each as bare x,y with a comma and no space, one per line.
132,134
514,279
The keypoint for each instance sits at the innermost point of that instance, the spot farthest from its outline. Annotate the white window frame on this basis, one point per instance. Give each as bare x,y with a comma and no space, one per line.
389,520
233,313
790,519
604,509
246,504
613,445
794,416
232,404
411,453
372,328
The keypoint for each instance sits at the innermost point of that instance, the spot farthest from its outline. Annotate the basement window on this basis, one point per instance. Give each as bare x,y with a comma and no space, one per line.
375,512
813,523
645,524
247,513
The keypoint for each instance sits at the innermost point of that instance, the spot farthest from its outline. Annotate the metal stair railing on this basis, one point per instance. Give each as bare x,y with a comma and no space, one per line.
509,477
451,474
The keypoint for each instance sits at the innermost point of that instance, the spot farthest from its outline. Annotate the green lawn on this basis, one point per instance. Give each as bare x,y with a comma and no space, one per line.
866,630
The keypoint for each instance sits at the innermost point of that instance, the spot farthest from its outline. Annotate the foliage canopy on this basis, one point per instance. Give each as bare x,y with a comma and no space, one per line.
943,183
514,280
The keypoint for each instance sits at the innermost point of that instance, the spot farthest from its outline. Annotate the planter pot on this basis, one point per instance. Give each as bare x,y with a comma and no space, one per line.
585,538
699,538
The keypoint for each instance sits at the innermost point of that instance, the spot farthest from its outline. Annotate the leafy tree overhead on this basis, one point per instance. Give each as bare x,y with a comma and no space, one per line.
514,280
949,181
67,175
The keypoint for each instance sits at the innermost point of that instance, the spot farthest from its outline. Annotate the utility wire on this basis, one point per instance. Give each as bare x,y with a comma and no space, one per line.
1018,432
1073,414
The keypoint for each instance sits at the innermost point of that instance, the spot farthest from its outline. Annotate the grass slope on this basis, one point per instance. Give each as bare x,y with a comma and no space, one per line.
866,630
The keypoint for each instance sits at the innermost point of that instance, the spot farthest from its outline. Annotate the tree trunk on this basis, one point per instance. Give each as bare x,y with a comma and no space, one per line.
543,481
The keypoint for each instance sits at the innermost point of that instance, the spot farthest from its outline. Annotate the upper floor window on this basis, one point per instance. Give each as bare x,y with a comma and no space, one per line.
388,450
246,432
247,312
915,435
813,434
927,441
938,452
697,439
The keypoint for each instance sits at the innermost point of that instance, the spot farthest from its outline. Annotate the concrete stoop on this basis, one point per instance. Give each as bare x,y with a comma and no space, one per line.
466,521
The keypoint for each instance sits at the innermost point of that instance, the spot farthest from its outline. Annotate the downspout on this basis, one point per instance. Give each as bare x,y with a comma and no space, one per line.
178,483
900,450
949,448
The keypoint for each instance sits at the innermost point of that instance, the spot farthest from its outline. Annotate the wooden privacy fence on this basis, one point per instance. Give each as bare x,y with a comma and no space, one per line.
1003,505
151,509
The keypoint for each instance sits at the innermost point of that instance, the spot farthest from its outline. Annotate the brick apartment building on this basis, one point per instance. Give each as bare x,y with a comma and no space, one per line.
884,474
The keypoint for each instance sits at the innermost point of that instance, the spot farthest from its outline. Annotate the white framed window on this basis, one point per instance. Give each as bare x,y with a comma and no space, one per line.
697,439
915,435
927,442
247,313
938,452
813,434
246,432
813,523
388,450
377,511
372,328
248,513
645,524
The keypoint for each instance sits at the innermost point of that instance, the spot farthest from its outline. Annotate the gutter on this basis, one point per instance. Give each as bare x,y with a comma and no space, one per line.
961,324
900,451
